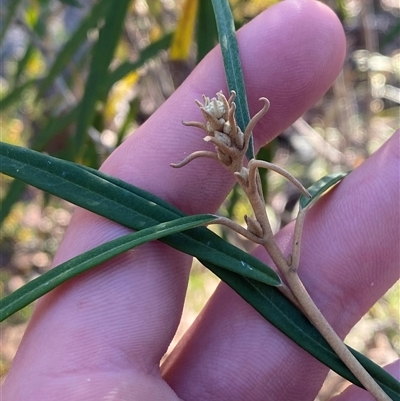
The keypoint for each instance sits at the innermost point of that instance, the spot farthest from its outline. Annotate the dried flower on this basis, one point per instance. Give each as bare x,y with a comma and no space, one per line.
222,130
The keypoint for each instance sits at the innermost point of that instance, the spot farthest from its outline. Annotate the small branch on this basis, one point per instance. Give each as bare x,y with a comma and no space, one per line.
254,164
231,146
287,292
289,271
252,189
323,326
239,229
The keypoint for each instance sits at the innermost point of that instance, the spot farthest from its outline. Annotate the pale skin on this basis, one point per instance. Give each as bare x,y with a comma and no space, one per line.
102,335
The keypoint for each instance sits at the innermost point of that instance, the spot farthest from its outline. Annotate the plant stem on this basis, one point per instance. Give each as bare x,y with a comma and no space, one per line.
288,269
231,145
326,330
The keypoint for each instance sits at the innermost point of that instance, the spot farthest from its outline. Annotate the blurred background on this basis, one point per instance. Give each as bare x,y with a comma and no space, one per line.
76,78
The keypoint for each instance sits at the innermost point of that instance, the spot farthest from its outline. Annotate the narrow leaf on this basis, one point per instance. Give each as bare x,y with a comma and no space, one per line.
103,52
58,275
125,68
59,123
14,193
232,64
320,187
66,54
122,202
207,34
111,198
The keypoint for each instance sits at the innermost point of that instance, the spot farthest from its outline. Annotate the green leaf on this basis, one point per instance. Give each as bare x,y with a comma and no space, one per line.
103,52
66,54
207,34
125,68
58,275
320,187
14,193
232,64
59,123
125,204
23,62
278,310
121,202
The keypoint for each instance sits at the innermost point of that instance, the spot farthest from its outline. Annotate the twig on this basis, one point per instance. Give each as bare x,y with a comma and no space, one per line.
223,132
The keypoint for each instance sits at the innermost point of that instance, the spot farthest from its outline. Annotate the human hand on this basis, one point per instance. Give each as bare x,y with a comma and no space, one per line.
101,335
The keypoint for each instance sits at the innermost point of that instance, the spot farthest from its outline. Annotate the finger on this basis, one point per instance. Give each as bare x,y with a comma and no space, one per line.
293,67
355,393
349,258
121,317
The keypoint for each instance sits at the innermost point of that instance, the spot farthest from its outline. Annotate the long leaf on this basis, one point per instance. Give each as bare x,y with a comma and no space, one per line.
125,68
103,52
59,123
66,54
207,34
110,198
30,166
14,193
58,275
232,64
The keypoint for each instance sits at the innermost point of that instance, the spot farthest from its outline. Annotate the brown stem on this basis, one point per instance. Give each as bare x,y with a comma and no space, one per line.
323,326
289,270
297,237
239,229
255,164
259,230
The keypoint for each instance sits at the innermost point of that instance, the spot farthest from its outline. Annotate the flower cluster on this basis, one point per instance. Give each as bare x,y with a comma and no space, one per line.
222,130
230,148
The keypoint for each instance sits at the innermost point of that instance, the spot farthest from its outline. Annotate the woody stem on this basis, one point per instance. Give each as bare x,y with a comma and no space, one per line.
288,268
